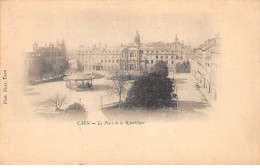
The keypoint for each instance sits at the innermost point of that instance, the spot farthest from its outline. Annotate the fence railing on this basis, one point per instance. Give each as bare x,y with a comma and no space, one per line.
110,105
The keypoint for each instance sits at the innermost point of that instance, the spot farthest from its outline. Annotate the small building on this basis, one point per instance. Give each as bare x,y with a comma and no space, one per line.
80,81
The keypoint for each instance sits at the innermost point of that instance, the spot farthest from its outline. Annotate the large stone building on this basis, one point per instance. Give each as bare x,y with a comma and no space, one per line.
134,56
204,64
41,57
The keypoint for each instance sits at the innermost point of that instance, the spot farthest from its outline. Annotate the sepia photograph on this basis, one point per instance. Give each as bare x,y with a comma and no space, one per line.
116,69
129,82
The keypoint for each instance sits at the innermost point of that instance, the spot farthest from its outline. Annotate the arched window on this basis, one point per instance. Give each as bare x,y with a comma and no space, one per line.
132,54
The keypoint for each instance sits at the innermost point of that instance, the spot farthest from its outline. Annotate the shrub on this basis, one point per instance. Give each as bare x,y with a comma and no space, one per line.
75,108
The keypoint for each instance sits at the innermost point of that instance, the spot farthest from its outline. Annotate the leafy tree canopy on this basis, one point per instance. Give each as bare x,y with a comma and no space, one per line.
150,91
161,68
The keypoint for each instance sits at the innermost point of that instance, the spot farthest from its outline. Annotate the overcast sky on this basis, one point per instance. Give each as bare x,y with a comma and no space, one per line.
81,23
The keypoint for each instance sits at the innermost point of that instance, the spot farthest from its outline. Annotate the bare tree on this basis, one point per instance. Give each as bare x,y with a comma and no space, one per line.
119,78
56,101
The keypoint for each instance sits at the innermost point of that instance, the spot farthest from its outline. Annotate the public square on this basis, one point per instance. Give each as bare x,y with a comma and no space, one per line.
191,102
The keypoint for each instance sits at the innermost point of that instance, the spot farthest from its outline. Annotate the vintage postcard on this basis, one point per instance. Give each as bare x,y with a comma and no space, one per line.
130,82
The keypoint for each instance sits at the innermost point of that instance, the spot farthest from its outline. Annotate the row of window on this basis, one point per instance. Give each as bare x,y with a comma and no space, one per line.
151,61
113,67
147,51
109,61
99,52
152,51
95,56
105,61
100,67
166,57
147,61
162,57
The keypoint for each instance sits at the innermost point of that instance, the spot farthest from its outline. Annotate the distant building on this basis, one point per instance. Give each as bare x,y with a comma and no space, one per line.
134,56
50,55
204,64
73,64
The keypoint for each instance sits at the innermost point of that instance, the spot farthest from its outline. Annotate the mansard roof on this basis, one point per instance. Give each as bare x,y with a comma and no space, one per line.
131,48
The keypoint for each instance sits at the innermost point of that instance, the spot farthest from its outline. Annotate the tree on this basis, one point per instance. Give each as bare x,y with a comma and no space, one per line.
41,67
60,67
161,68
188,67
44,67
56,101
150,91
119,78
183,67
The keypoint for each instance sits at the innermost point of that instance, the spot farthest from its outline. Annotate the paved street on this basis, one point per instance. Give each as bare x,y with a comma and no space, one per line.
191,102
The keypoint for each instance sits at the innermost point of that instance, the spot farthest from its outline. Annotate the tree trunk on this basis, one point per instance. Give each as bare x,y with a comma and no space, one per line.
119,100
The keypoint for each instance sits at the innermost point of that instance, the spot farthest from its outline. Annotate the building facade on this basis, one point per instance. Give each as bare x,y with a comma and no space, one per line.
134,56
41,57
204,64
